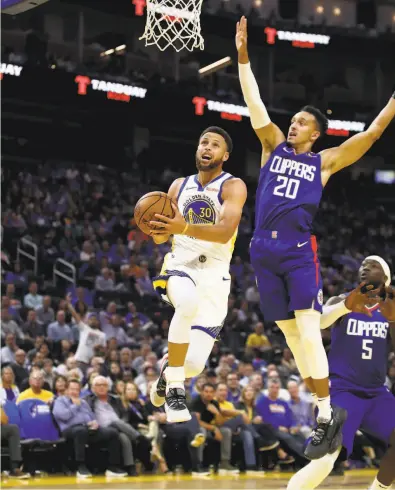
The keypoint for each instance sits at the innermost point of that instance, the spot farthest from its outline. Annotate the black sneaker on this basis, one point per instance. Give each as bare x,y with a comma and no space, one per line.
327,436
158,388
199,472
176,406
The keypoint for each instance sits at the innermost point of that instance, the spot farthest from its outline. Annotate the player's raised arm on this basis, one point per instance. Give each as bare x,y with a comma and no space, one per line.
334,159
341,305
234,195
268,133
173,193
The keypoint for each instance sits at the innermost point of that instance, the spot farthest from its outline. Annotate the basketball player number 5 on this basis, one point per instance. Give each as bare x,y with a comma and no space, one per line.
287,187
366,350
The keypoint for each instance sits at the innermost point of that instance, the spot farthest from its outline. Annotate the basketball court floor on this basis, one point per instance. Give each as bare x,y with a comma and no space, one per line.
356,479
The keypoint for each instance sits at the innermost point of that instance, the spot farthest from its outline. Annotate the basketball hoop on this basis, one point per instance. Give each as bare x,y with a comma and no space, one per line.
173,23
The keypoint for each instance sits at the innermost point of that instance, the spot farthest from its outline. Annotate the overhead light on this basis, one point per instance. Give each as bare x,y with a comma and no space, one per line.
337,11
217,65
320,9
258,3
329,111
111,51
393,18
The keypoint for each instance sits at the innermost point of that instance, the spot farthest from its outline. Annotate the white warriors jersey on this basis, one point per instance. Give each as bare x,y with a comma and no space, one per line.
201,206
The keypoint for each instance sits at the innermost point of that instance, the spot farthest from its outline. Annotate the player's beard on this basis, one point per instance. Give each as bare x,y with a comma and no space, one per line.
206,168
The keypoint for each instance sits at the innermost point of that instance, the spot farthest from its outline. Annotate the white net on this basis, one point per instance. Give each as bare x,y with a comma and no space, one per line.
173,23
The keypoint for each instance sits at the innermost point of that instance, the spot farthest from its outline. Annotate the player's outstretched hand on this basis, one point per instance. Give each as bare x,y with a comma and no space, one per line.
241,35
169,226
356,300
387,305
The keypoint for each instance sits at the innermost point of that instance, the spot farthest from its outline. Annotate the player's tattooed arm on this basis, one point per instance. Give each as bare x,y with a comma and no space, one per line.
234,195
269,134
335,159
172,193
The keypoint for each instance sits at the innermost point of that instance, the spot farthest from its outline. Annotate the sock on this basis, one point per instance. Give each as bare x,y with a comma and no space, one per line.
324,409
376,485
315,399
175,377
314,473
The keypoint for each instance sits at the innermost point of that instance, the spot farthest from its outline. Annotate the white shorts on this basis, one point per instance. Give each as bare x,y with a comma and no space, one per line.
212,280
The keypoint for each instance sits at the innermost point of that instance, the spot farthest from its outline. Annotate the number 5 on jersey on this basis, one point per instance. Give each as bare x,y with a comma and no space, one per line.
366,350
287,187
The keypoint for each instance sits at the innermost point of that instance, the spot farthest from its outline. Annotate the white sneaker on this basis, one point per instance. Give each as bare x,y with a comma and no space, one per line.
176,406
116,474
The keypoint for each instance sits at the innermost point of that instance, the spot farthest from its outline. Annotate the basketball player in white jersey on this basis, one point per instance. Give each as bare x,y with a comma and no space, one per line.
195,277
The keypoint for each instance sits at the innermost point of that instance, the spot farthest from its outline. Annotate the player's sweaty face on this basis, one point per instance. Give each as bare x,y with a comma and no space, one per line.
303,129
211,152
371,272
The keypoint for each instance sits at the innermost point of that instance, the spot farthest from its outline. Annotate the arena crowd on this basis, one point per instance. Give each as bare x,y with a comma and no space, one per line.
88,350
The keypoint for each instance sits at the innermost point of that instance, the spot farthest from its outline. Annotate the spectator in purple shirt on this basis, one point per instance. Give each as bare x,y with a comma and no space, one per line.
59,330
114,330
105,282
278,413
105,252
77,423
301,409
17,276
133,313
234,390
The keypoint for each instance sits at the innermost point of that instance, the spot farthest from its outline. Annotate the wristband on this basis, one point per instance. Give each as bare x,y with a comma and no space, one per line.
185,229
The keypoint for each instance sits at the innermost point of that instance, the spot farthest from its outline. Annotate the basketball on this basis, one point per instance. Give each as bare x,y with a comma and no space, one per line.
149,205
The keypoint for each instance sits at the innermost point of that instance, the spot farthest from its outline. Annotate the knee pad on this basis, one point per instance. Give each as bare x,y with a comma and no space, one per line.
308,322
294,340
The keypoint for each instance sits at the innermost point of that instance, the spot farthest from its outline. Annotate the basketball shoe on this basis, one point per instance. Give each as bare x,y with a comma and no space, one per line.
327,436
158,388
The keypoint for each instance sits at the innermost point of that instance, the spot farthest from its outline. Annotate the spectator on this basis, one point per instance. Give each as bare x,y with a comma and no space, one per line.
46,314
234,390
273,375
36,382
104,282
126,362
78,424
19,367
288,363
59,330
278,413
49,373
7,353
17,276
10,433
60,385
144,283
90,337
9,391
114,330
257,340
32,328
265,433
301,409
10,295
110,412
33,299
87,252
133,313
237,421
9,326
208,413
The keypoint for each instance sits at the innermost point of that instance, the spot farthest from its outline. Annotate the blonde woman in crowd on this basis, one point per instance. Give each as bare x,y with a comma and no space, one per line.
8,391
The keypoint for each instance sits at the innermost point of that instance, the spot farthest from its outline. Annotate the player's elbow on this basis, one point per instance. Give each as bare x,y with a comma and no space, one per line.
374,133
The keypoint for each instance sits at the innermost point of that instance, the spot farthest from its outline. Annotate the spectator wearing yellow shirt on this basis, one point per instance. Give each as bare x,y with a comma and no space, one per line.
237,420
36,381
257,340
